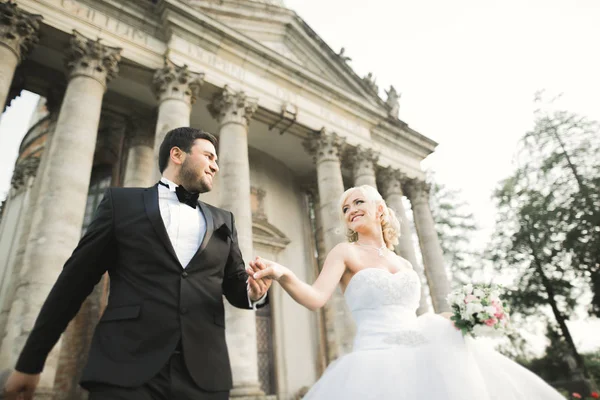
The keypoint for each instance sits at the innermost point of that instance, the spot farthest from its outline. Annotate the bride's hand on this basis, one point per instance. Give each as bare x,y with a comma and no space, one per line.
446,314
266,269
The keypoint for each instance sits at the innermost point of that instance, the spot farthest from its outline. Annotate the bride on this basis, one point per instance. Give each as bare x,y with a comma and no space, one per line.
396,355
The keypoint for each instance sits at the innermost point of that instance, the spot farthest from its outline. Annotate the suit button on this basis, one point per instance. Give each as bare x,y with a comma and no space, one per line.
184,274
183,310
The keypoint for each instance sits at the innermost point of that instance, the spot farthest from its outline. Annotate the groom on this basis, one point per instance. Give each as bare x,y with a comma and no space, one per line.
170,259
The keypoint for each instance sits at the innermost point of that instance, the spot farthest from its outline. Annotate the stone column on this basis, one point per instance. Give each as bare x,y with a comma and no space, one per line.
16,208
433,258
363,166
9,351
176,89
390,181
313,190
141,167
18,33
317,244
326,153
58,214
233,111
77,338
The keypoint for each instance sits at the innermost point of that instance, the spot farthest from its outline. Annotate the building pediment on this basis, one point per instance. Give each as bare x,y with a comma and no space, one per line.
269,24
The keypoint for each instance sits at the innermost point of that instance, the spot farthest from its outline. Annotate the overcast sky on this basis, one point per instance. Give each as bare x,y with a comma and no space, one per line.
467,71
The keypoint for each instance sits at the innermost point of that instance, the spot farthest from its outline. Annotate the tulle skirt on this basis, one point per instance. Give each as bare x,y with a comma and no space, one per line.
445,366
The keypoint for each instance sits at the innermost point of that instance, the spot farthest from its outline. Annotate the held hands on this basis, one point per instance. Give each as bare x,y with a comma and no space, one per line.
20,386
257,287
266,269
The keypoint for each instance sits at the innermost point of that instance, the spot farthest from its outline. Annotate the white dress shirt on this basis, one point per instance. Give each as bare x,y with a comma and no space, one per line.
186,226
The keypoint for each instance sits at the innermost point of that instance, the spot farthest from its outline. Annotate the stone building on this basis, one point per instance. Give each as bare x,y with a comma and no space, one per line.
296,127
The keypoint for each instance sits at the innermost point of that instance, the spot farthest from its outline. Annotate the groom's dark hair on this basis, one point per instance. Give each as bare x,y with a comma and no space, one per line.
184,139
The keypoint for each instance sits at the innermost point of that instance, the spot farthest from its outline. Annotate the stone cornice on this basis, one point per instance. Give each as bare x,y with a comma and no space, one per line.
139,33
300,30
262,57
254,52
18,28
235,48
416,145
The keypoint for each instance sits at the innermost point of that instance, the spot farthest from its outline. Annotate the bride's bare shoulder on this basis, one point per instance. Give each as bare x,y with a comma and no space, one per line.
343,248
404,262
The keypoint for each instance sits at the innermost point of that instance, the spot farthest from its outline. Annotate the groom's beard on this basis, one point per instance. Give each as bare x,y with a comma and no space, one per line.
193,181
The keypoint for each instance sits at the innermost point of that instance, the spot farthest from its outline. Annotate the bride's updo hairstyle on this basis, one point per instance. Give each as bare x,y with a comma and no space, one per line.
390,226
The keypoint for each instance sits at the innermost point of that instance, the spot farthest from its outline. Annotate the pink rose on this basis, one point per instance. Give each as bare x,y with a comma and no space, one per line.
499,310
491,322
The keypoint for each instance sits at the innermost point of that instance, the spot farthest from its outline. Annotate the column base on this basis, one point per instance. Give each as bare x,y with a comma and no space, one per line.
44,394
247,393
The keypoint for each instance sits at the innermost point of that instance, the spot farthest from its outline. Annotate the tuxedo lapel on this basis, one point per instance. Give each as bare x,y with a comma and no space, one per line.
214,223
210,227
153,212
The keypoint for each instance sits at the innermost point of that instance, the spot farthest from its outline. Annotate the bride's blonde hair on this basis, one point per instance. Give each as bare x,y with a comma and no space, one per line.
390,226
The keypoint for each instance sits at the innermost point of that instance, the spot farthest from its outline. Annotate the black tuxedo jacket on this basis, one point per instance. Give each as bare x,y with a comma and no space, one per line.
153,302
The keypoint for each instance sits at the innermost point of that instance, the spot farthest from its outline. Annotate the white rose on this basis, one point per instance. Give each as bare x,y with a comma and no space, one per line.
494,295
474,308
468,288
479,293
489,310
456,298
464,314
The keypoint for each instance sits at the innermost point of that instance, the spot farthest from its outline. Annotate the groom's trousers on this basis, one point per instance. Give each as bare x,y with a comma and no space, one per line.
173,382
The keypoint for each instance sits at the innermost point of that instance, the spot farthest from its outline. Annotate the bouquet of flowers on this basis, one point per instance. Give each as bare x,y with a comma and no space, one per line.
478,310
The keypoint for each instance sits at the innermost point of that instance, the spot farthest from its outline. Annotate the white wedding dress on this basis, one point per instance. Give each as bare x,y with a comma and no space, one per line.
398,355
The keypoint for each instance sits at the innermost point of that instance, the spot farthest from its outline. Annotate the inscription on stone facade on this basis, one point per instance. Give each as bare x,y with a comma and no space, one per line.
103,21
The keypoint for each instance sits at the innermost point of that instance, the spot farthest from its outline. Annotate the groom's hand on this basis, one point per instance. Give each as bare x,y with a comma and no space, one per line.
20,386
257,287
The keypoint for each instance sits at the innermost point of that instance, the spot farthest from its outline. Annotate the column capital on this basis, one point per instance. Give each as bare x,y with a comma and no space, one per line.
391,180
19,30
417,191
327,146
24,170
363,160
177,83
90,58
229,106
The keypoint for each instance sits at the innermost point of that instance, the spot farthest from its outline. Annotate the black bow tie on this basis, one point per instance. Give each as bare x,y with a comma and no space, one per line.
185,197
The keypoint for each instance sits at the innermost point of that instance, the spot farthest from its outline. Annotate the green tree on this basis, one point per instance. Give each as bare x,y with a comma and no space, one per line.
527,242
560,155
547,234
